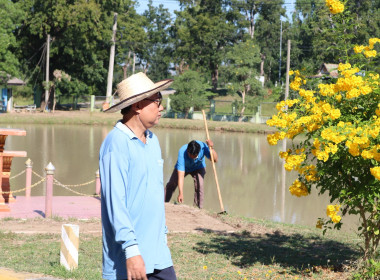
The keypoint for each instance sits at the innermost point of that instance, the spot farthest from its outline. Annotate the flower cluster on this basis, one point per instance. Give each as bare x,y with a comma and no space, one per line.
318,113
292,161
376,172
298,189
331,211
339,123
368,51
335,6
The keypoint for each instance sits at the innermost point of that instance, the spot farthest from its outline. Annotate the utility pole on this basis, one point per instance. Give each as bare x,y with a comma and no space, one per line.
279,69
112,59
134,63
287,72
284,140
47,88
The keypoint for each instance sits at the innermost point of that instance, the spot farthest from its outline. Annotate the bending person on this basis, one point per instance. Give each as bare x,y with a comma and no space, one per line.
191,160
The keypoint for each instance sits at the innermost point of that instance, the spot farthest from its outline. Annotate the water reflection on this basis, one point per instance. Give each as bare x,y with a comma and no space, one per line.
249,170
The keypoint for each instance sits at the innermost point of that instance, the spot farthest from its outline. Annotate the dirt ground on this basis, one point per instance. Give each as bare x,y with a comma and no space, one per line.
179,218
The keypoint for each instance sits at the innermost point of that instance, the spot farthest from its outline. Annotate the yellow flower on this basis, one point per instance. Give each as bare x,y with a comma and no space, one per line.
375,171
344,66
364,90
205,267
273,138
332,211
367,154
336,219
293,161
298,189
335,6
373,41
358,49
326,89
335,114
353,148
371,53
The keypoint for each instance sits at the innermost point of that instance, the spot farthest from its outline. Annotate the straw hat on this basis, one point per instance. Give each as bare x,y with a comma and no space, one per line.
136,88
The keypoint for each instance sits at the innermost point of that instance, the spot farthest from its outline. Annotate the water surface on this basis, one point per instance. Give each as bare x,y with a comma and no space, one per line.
249,171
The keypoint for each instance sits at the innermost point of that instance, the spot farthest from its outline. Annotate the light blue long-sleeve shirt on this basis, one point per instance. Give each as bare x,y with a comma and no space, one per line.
132,202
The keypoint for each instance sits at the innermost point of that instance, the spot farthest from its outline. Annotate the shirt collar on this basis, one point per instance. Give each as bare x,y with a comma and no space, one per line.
129,132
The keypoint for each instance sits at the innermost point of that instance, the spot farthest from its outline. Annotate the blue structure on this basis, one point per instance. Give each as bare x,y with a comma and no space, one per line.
4,100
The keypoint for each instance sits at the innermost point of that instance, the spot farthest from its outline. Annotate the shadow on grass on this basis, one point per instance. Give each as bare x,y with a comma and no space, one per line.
292,251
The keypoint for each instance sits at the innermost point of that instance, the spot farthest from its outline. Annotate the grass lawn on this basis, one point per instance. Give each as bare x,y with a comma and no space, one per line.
257,250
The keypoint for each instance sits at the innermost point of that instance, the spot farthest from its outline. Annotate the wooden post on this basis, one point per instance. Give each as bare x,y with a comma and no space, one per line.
49,189
69,246
5,185
28,177
3,207
97,182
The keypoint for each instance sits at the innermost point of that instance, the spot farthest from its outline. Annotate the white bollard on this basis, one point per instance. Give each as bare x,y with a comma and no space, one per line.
69,246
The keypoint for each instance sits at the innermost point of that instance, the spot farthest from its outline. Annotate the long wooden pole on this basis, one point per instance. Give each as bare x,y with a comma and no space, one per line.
112,59
213,165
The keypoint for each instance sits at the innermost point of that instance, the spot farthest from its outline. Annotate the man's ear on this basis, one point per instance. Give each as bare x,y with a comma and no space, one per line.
135,107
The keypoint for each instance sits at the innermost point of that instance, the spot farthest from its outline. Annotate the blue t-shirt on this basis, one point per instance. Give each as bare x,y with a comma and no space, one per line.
132,201
187,164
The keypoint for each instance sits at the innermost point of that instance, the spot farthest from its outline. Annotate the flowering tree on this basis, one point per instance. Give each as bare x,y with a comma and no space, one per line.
338,151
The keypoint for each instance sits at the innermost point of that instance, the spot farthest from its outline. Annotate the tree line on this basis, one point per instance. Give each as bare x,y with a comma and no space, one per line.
215,44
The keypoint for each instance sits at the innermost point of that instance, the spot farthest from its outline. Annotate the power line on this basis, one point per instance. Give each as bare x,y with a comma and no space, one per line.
36,52
38,63
42,60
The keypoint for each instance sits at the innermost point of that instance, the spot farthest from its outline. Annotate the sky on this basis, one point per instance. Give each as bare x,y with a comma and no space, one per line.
172,5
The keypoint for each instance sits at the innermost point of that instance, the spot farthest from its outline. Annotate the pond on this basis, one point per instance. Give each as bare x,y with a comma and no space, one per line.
250,173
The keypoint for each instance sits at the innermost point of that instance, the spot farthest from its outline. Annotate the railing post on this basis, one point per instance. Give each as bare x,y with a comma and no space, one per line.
49,189
92,103
28,178
168,107
97,182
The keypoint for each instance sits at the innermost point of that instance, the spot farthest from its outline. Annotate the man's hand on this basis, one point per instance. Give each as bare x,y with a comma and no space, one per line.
210,143
181,178
180,198
136,268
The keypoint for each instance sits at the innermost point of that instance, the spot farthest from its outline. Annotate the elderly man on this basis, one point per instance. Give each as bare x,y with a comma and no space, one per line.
132,195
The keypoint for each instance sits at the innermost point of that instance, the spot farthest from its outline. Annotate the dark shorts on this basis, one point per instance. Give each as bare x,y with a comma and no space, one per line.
165,274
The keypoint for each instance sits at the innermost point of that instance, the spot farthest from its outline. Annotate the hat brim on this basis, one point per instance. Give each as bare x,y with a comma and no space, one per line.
161,85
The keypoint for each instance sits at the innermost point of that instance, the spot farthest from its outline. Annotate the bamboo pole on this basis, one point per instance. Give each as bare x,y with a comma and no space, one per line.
213,166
